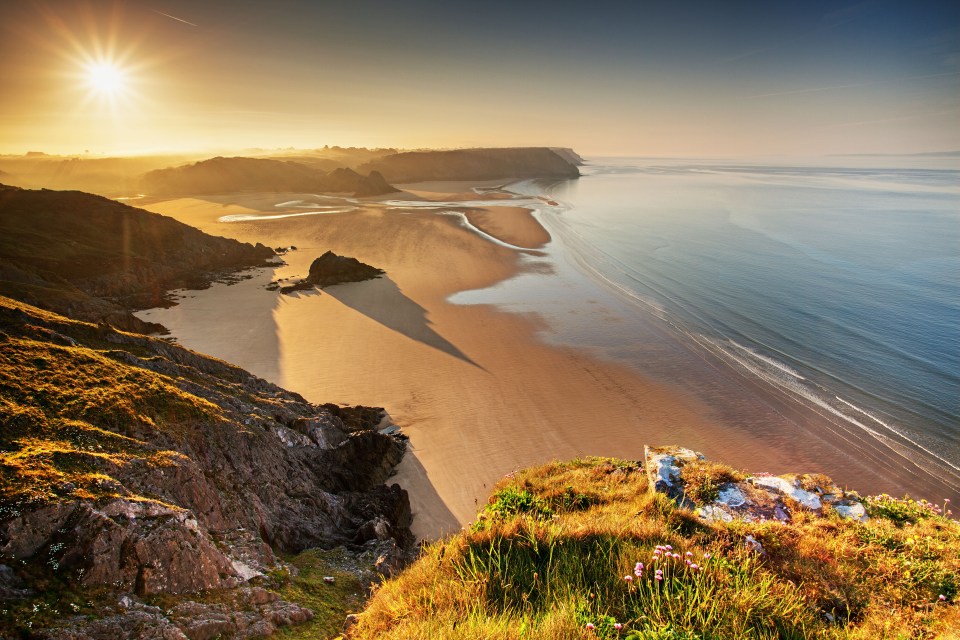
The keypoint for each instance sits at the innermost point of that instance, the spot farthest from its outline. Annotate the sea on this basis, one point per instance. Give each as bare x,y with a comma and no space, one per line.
814,305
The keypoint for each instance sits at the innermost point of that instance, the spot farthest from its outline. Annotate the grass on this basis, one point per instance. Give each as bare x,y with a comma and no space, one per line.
72,417
703,479
330,602
555,553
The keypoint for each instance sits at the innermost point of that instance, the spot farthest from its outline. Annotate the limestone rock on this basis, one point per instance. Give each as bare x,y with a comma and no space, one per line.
759,497
851,509
789,489
663,465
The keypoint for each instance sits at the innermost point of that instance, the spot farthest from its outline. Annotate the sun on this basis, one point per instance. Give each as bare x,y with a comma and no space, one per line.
105,78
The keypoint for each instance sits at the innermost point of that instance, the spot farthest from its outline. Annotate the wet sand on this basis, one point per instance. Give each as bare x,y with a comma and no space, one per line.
477,392
476,389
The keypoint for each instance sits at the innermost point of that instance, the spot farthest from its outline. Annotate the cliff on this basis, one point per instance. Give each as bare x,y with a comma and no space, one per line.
96,259
227,175
475,164
677,546
132,469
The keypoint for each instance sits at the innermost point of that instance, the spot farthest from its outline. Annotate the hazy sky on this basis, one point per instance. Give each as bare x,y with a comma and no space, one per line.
635,77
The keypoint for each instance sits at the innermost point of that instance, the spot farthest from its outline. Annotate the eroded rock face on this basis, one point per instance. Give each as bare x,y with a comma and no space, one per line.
197,502
249,612
664,464
758,497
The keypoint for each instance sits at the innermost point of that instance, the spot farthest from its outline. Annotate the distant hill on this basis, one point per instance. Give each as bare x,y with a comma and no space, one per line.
476,164
104,176
226,175
96,259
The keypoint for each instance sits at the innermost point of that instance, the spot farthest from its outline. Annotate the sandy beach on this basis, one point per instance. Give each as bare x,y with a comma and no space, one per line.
475,388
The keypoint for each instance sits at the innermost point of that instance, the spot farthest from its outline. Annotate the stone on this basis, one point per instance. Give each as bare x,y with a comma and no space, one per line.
851,509
663,466
713,513
731,495
786,488
11,586
752,544
330,269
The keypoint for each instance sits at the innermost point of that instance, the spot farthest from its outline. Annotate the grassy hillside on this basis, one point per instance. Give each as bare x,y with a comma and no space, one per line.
94,258
129,465
557,553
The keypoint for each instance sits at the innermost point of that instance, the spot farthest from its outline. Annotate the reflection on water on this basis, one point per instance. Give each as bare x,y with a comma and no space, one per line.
816,307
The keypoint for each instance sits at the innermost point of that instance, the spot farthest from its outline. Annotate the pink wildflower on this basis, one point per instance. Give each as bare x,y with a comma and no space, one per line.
639,567
659,576
707,556
688,553
628,578
617,626
668,547
688,562
590,626
942,597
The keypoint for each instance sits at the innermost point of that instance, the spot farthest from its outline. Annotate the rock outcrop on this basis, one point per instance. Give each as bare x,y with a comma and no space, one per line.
718,494
95,259
374,185
330,269
132,464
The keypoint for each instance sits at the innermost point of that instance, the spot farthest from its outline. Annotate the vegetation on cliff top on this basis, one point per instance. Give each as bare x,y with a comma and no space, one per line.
584,550
95,259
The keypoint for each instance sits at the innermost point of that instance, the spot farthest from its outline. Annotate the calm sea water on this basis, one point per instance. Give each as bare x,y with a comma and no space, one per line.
836,288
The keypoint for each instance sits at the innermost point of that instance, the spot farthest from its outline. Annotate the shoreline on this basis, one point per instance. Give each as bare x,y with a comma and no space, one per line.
475,386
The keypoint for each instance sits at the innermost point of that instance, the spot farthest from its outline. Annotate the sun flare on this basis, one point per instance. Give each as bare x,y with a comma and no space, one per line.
105,78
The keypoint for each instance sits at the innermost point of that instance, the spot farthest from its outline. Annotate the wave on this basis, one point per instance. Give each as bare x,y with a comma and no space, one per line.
773,363
794,386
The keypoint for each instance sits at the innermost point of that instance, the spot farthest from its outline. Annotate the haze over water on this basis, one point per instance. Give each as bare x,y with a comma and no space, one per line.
835,288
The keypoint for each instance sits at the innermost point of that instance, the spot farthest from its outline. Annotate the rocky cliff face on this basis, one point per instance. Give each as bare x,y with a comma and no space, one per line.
133,465
95,259
475,164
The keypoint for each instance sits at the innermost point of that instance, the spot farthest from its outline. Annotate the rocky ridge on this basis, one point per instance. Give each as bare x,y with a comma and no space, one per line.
131,465
476,164
228,175
96,259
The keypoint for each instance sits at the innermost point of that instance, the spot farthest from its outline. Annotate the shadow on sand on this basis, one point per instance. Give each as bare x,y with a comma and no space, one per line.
381,300
432,518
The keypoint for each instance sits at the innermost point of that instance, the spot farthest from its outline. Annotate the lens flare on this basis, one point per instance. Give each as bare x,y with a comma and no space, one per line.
105,78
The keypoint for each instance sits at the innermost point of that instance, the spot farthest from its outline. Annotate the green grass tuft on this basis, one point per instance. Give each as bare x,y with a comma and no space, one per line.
543,566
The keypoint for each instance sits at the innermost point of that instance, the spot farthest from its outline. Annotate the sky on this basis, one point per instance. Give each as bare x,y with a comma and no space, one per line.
671,78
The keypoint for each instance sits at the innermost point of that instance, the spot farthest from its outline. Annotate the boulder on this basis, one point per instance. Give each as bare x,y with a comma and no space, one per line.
758,497
663,465
330,269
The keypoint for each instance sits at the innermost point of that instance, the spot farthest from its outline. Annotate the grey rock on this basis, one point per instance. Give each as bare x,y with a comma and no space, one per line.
851,509
786,488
